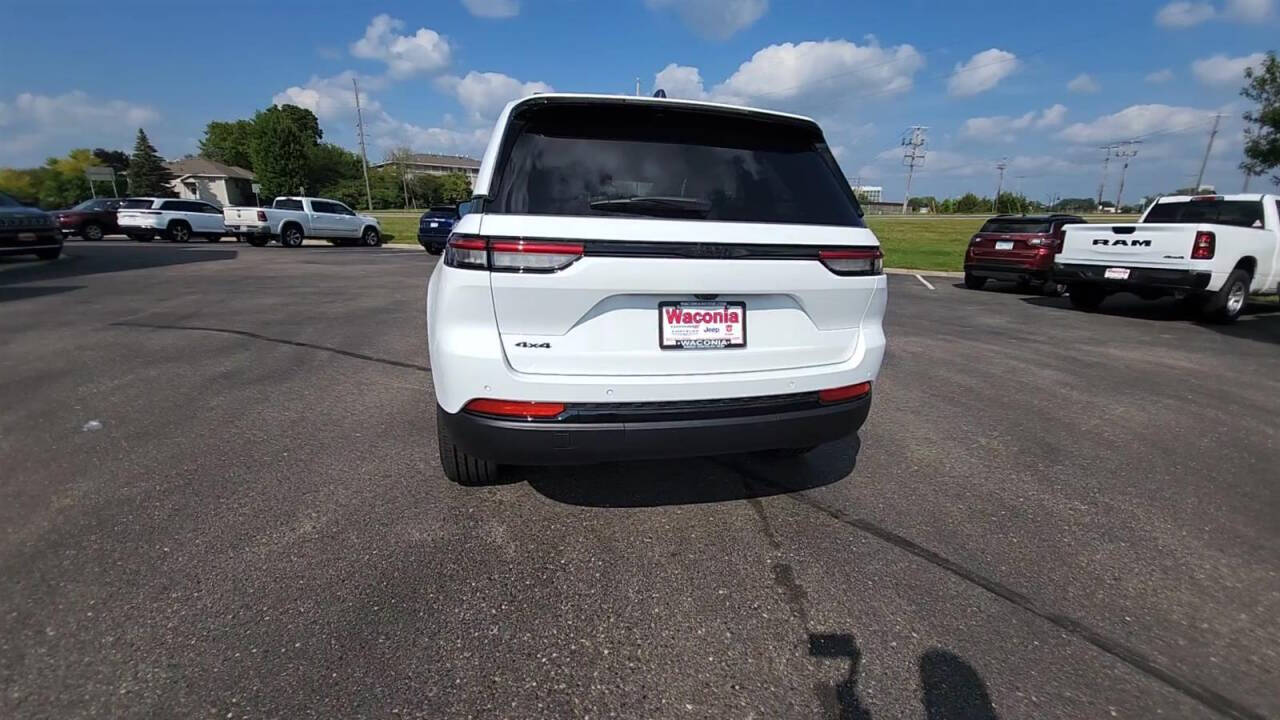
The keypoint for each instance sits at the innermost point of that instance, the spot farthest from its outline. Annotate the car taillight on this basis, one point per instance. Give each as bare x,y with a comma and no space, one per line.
1203,248
853,261
840,394
515,409
975,239
510,255
262,216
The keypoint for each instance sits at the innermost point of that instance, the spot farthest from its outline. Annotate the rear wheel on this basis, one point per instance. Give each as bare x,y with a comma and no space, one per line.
458,466
1229,302
178,232
973,282
1086,297
371,237
1053,289
91,231
291,236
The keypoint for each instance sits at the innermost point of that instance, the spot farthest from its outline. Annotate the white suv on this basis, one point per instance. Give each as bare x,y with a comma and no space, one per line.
173,219
644,278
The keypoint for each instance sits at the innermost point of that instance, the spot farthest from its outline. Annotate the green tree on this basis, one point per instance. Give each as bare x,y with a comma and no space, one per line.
971,204
1262,134
229,142
281,147
21,184
117,160
63,182
148,175
924,201
329,165
455,188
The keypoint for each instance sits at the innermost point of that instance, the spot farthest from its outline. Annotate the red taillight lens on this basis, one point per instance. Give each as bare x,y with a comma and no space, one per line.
533,256
840,394
467,251
262,216
515,408
853,261
1203,247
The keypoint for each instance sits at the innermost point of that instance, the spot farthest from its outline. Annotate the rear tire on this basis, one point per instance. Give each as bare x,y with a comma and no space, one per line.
458,466
371,237
1086,297
1229,302
291,236
92,231
973,282
178,232
1053,289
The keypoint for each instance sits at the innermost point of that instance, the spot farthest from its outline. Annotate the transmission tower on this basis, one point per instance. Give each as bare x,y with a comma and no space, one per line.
912,156
1124,151
364,159
1106,160
1001,166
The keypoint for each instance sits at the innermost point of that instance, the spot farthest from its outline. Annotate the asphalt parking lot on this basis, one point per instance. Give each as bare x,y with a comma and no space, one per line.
1049,514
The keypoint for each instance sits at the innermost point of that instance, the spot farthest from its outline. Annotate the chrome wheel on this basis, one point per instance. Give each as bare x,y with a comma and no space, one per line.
292,237
180,233
1236,298
371,238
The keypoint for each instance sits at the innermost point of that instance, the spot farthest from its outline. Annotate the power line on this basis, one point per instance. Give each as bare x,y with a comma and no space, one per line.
1126,151
1001,166
1106,161
913,156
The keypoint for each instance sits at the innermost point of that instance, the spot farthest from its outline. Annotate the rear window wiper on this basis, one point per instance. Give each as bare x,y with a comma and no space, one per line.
655,205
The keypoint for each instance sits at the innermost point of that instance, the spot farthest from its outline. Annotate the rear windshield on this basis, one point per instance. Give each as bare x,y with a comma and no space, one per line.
1243,213
136,204
612,161
1010,226
446,214
287,204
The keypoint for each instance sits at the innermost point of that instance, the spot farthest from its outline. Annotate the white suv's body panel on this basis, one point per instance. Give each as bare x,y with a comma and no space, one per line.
346,224
588,333
203,218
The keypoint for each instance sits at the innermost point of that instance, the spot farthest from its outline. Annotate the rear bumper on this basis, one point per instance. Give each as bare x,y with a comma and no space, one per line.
1190,280
244,230
516,442
430,239
1039,271
46,239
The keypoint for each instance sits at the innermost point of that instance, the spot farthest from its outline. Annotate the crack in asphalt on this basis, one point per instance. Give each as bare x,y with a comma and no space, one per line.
1132,657
282,341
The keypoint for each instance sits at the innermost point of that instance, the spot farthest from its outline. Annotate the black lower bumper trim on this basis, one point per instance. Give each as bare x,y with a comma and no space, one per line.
514,442
44,240
1138,277
1007,272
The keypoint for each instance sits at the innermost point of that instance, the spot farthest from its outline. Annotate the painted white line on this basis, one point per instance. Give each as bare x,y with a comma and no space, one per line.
926,282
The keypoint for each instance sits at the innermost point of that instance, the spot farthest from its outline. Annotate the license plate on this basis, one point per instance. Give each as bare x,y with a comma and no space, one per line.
1004,244
26,237
704,325
435,224
1116,274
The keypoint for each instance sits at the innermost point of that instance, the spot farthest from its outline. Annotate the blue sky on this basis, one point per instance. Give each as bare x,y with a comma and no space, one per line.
1042,84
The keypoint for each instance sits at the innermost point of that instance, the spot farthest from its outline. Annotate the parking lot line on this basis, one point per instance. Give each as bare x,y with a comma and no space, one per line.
926,282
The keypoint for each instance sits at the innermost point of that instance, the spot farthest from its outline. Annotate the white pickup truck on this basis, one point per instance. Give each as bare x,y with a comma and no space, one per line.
1209,251
291,219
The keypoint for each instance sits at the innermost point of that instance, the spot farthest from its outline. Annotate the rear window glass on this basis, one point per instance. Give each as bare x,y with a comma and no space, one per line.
136,204
288,205
1012,226
1242,213
611,161
444,214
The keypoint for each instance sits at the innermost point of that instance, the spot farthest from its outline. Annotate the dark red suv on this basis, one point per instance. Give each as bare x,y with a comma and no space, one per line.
91,219
1018,248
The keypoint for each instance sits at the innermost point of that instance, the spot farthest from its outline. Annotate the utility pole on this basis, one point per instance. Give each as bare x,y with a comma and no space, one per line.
364,158
913,157
404,180
1106,160
1126,152
995,204
637,87
1247,177
1208,149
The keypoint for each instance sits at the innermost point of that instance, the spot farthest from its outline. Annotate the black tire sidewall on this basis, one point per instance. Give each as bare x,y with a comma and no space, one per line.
84,231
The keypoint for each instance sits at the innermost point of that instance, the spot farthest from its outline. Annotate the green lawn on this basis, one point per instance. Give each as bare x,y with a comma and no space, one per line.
399,227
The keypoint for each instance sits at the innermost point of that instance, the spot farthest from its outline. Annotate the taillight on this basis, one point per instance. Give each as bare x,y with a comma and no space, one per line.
975,239
510,255
853,261
262,216
840,394
515,409
1203,247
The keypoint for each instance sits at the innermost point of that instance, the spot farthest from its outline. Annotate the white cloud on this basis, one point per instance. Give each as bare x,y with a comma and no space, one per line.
680,81
1248,10
1004,127
1083,83
331,98
716,19
1184,14
34,126
819,74
493,8
425,51
1160,76
1222,71
388,132
483,95
981,72
1135,121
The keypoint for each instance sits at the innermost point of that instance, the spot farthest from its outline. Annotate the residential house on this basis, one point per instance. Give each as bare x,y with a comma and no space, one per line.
203,179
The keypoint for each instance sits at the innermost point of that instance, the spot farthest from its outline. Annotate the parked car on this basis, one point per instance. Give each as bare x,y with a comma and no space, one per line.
1017,248
435,225
91,219
1211,251
145,219
644,278
291,219
27,231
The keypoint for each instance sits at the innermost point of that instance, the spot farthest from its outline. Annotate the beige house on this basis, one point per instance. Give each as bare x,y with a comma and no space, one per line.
428,164
203,179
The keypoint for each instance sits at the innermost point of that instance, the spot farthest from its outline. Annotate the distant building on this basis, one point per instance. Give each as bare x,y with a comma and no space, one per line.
869,193
428,164
200,178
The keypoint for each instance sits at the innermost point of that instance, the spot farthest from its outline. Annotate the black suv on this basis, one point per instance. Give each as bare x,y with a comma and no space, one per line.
27,231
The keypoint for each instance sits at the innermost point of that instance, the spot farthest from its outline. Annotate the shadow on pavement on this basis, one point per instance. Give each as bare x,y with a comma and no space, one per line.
839,700
26,293
83,259
687,481
1260,321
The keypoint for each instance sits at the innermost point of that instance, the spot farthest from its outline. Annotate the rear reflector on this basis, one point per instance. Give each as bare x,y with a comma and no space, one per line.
840,394
1203,247
853,261
515,408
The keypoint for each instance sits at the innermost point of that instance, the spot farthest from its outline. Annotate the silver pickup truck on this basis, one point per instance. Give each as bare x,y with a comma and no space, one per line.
292,219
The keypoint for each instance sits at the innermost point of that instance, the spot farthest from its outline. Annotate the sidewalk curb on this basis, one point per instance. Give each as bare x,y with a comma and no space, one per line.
929,273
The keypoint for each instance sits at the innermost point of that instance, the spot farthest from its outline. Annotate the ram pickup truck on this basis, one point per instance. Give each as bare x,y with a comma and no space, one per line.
1209,251
292,219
